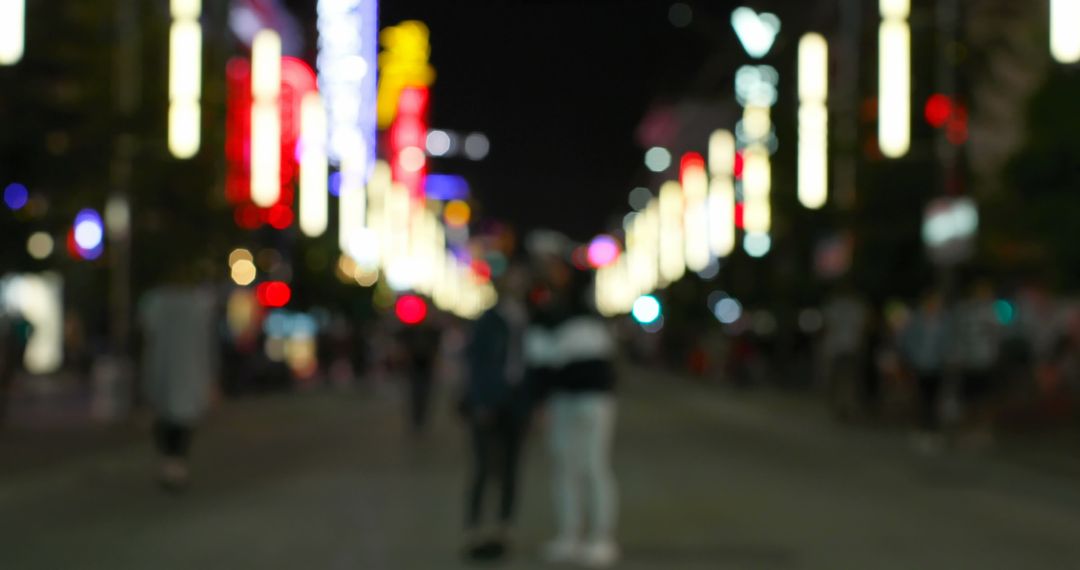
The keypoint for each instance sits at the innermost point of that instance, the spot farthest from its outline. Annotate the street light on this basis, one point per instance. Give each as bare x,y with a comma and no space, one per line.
813,120
313,171
894,78
721,193
672,254
265,118
1064,36
185,78
12,31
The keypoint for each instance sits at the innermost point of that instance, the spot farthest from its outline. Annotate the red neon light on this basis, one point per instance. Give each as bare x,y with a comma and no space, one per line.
279,216
273,294
740,161
740,211
938,110
410,309
690,161
297,79
409,129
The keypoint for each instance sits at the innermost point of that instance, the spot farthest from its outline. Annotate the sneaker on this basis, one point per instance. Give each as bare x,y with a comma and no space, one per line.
173,476
599,555
562,551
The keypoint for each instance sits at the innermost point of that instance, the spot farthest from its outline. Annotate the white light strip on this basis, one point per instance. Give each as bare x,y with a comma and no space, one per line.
265,118
813,121
672,256
12,31
721,193
757,185
894,79
696,218
1065,30
348,36
185,78
313,170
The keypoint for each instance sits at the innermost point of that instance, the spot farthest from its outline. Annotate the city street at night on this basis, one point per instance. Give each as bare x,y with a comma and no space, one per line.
649,285
711,479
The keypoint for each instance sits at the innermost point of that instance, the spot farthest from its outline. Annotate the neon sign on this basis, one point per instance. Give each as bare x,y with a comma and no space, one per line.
348,31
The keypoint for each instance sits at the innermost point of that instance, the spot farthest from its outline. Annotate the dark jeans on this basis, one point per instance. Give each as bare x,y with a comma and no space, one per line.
929,400
420,384
496,447
173,439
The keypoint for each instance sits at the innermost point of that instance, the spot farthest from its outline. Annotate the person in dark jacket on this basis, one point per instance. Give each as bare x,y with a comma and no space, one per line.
570,348
496,406
421,345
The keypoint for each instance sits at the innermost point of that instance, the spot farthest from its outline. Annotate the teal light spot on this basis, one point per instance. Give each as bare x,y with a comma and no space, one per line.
1005,311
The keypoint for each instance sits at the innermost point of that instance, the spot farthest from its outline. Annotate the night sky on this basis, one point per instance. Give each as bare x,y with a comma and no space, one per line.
559,88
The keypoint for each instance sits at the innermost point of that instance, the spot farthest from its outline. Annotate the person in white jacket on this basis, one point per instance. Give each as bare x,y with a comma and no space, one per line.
570,351
179,365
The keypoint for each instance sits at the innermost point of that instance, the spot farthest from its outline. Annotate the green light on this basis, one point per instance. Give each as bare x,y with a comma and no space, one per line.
1005,311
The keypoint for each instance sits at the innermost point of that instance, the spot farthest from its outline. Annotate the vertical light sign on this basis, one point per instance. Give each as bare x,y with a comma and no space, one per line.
721,193
348,47
185,78
672,249
1065,30
756,91
265,118
313,172
894,78
813,120
695,184
12,31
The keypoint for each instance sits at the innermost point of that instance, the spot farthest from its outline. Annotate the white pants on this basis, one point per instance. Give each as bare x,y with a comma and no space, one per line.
582,431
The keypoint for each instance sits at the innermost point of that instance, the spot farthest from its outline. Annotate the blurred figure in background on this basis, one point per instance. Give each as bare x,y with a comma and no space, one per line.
496,405
15,333
846,319
976,346
924,345
179,367
571,350
420,343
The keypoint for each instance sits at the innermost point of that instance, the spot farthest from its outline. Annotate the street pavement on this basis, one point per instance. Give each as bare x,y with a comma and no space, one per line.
710,479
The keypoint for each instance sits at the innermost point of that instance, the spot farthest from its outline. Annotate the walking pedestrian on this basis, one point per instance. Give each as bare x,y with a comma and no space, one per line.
571,350
179,365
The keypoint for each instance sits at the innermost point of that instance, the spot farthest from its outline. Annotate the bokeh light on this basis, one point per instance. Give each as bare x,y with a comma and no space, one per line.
603,251
438,143
39,245
728,310
16,196
243,272
273,294
639,198
477,146
646,309
457,213
657,159
412,159
410,309
89,230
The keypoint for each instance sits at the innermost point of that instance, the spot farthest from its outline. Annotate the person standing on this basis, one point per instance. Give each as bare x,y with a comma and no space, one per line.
179,368
977,345
572,351
420,343
15,333
496,405
924,345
